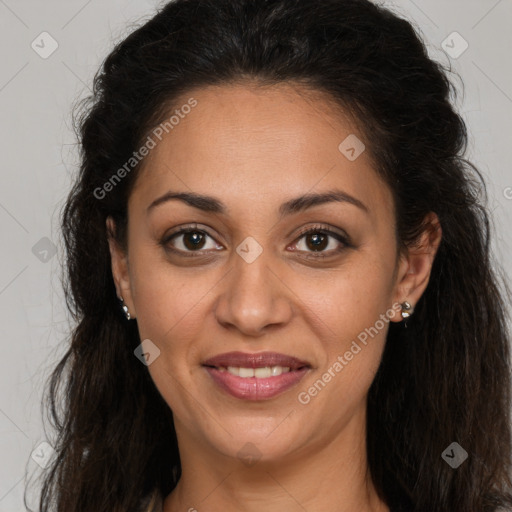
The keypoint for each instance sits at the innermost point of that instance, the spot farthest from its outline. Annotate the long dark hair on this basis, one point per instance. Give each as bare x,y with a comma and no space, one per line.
445,378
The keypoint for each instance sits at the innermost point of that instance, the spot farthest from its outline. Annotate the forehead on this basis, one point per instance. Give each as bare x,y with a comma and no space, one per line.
245,141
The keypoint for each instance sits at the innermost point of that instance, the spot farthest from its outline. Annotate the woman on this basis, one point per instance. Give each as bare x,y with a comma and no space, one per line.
278,261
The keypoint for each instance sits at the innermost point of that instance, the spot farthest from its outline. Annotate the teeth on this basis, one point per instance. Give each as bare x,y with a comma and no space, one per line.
263,373
245,372
234,370
259,373
277,370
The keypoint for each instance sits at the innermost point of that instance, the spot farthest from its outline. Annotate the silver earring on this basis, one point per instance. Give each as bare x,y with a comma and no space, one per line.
125,309
407,310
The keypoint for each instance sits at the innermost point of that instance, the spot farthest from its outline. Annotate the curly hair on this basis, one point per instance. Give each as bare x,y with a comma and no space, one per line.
445,378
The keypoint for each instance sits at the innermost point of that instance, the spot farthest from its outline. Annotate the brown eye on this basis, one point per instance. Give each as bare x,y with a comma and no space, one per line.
189,240
319,241
193,240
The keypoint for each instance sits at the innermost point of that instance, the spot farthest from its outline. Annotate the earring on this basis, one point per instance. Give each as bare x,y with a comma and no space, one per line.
407,310
125,309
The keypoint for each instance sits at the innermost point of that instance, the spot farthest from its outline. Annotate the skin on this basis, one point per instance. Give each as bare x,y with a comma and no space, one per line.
254,148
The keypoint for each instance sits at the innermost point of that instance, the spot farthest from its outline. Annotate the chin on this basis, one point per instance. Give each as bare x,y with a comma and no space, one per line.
267,441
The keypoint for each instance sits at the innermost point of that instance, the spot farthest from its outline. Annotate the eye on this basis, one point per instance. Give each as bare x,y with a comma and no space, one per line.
319,240
316,241
190,239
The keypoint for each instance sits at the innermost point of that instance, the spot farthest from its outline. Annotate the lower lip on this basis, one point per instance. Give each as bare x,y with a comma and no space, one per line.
252,388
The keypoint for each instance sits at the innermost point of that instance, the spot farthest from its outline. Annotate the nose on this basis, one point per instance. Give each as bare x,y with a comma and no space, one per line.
253,298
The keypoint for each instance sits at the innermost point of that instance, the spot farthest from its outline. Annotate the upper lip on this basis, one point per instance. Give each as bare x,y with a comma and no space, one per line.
256,360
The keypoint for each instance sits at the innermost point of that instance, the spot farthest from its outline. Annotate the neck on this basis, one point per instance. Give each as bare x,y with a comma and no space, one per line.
327,475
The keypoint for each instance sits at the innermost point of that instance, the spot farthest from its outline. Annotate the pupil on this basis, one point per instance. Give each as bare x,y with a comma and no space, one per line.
318,240
194,237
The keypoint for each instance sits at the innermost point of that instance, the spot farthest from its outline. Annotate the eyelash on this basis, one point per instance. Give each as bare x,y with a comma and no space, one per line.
319,229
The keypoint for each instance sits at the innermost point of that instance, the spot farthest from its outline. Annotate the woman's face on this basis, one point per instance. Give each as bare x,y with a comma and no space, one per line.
268,165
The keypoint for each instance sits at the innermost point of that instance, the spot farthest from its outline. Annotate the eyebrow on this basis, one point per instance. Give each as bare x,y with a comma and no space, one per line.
296,205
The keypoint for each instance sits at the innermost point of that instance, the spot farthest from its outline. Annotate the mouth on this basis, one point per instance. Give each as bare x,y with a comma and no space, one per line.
256,360
256,376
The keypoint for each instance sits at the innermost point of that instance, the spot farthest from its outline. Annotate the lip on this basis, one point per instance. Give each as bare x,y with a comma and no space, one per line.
252,388
256,360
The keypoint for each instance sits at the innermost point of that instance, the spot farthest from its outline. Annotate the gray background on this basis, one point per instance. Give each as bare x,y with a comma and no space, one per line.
39,157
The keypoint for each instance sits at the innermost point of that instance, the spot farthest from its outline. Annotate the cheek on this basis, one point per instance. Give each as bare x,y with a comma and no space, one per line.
353,343
170,306
168,299
355,310
353,297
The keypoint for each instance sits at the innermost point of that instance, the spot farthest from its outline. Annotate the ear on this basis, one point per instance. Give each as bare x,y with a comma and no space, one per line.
416,263
120,267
